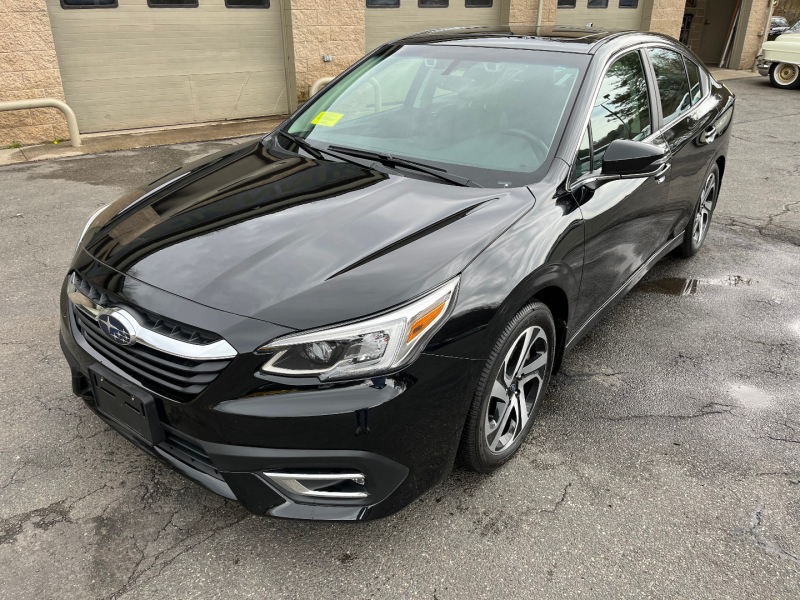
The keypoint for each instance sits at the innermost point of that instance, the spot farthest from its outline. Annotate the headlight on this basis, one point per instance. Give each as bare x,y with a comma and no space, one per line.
361,349
95,214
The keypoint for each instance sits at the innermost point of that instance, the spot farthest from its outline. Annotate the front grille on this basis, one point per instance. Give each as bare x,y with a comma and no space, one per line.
177,378
188,452
151,321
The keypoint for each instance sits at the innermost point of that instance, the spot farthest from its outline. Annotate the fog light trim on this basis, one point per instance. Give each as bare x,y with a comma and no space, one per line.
292,483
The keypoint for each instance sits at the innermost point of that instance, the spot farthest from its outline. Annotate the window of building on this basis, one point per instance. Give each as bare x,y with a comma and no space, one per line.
383,3
621,112
628,3
695,88
433,3
597,4
566,3
89,4
247,3
673,85
173,3
478,3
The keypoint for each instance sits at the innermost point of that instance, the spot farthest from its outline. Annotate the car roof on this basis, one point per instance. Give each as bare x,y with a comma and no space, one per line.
583,40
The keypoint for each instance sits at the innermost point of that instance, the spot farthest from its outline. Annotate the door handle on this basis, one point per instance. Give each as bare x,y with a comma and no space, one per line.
661,174
710,134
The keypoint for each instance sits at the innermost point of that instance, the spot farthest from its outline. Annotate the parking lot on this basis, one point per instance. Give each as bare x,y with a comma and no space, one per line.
665,462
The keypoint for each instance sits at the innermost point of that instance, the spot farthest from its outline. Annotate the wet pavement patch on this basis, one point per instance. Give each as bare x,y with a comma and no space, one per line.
686,286
672,286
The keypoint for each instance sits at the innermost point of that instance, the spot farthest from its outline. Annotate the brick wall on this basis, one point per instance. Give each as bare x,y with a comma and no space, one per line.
322,27
28,69
524,12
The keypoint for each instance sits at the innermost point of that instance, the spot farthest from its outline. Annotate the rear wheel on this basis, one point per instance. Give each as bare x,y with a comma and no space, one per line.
695,233
785,75
510,390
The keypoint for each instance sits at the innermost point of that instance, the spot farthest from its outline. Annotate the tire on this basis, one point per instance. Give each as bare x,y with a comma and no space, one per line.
696,230
494,430
785,76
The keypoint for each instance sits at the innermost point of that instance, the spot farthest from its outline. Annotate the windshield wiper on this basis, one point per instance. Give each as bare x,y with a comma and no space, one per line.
393,161
318,153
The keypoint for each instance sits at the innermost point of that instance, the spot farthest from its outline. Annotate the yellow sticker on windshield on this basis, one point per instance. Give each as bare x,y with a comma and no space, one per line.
327,119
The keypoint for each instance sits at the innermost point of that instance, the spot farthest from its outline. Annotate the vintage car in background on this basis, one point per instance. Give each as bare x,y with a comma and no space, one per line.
777,26
780,59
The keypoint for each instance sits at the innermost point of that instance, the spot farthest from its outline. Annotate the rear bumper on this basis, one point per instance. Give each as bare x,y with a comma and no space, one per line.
401,433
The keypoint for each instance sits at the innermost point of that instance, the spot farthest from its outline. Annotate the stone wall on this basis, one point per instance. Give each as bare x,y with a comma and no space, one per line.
752,40
325,27
666,17
28,69
524,12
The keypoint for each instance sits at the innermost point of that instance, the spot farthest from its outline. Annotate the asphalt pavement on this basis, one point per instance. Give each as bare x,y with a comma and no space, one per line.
665,462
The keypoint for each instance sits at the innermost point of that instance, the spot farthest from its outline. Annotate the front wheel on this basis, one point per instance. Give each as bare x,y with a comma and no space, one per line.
510,390
785,76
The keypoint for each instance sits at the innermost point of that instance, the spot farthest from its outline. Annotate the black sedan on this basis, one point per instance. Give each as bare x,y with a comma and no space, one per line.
320,323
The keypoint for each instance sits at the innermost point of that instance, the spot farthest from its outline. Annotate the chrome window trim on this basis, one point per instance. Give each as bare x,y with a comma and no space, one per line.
652,86
219,350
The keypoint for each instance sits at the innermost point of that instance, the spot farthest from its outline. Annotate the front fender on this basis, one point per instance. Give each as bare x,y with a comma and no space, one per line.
541,252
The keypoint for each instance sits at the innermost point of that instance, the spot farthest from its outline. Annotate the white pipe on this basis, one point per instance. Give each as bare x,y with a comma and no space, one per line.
318,85
539,14
72,122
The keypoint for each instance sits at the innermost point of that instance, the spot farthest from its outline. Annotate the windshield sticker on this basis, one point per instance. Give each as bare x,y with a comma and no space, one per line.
327,119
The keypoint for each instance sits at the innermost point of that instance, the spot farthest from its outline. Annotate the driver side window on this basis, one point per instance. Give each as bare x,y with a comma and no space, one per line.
621,112
622,108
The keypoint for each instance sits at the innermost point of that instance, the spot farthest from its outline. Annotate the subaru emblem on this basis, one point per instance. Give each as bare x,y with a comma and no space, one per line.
115,328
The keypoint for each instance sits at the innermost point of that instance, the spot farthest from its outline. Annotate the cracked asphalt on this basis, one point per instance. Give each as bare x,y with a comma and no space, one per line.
665,462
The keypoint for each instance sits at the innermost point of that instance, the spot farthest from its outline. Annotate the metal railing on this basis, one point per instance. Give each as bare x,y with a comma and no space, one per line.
72,122
318,85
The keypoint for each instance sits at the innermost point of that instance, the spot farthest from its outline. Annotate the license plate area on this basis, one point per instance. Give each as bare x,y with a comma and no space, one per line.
126,404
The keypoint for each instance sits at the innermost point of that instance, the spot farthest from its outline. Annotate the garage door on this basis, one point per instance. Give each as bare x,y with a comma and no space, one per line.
143,63
617,14
389,19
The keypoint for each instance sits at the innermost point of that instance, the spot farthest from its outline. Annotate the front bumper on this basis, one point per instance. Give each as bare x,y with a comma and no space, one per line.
400,432
763,66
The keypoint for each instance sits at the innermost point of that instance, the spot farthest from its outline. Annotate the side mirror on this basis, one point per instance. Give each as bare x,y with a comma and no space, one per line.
625,158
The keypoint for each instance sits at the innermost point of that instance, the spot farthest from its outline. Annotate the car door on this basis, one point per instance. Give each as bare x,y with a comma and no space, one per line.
624,220
687,113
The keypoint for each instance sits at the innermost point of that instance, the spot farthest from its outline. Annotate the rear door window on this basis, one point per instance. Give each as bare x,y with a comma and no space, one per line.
673,84
695,88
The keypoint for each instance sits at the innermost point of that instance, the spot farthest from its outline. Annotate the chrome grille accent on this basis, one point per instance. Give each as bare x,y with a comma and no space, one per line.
170,367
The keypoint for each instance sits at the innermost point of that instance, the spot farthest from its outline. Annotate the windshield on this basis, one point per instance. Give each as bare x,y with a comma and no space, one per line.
491,115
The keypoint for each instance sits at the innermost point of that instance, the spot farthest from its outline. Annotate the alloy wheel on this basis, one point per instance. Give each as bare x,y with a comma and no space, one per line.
516,390
702,218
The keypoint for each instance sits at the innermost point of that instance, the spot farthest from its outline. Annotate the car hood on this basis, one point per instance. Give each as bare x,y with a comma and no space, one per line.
267,234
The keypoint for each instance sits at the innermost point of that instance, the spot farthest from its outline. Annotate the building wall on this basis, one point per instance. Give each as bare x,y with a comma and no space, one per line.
755,34
525,12
28,69
333,27
666,17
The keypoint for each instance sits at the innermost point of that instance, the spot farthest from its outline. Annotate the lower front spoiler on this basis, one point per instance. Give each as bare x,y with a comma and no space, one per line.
240,473
241,476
